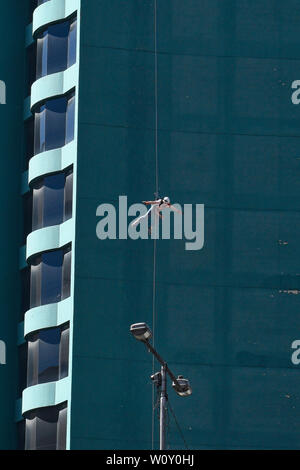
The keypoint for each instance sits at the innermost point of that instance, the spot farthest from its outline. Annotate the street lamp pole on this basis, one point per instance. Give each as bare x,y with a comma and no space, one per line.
182,387
163,408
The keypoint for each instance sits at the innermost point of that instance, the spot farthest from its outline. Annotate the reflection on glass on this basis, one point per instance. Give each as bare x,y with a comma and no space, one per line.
48,355
68,195
50,277
70,119
54,123
66,275
62,429
52,200
64,352
46,428
56,48
54,187
72,43
35,282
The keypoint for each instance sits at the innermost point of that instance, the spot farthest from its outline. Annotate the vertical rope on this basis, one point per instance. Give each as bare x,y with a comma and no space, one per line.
156,99
156,196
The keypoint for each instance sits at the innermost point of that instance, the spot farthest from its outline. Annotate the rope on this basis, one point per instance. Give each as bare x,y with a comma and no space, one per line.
156,98
178,427
156,195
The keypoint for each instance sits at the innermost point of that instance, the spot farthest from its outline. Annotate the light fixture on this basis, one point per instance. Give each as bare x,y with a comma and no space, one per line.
182,387
141,331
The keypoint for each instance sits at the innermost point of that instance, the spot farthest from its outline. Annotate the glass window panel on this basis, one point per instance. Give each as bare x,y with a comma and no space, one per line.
53,199
51,276
35,283
68,196
64,353
46,435
40,130
57,47
49,341
62,429
38,205
70,119
30,434
32,360
55,123
41,55
46,428
72,43
66,275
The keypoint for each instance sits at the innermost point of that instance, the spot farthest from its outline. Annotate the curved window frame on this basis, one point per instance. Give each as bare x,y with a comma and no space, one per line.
56,47
54,123
52,199
50,280
48,355
46,428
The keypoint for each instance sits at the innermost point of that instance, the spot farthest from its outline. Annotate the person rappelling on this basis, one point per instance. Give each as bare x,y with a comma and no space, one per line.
158,205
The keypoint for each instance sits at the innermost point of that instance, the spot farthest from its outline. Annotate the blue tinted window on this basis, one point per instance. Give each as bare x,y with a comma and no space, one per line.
51,276
54,186
72,43
68,196
46,428
41,55
48,355
49,341
52,200
66,275
56,48
40,130
70,119
35,282
64,353
38,205
54,124
57,54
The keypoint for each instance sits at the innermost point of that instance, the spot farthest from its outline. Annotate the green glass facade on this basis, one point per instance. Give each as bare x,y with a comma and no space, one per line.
228,137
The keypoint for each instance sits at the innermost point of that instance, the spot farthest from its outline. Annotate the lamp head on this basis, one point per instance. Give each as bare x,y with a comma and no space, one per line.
184,389
141,331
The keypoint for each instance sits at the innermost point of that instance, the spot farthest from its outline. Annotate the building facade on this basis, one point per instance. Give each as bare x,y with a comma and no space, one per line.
78,129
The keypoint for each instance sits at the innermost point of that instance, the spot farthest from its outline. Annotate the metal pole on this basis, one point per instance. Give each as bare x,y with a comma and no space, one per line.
163,408
161,361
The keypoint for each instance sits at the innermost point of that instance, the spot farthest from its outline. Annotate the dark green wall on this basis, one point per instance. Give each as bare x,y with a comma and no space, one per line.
12,27
228,138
